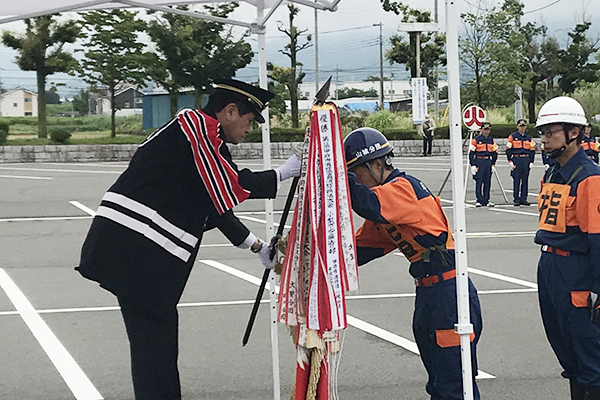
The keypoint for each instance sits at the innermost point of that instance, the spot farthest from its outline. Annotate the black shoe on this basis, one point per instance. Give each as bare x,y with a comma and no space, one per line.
516,204
525,203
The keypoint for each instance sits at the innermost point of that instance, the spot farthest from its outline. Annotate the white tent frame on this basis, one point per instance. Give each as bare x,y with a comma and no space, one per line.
464,327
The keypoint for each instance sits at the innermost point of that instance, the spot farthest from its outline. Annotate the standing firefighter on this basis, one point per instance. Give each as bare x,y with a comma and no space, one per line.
588,143
520,151
401,213
483,153
569,232
145,236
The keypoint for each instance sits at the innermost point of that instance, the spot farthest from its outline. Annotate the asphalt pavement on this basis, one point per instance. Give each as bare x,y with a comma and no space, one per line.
63,337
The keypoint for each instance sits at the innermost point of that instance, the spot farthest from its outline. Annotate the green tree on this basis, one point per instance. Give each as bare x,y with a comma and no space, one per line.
432,48
113,54
346,93
212,51
81,102
40,49
576,59
52,96
290,76
277,104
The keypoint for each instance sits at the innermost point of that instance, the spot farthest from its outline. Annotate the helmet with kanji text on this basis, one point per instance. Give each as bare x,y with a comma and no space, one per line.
365,144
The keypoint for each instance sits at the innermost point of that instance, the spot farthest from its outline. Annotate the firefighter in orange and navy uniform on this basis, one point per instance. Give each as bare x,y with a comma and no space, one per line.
569,232
520,151
589,145
401,213
483,153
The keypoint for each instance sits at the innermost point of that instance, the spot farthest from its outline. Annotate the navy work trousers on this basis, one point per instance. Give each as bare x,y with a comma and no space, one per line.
520,176
483,180
573,337
435,312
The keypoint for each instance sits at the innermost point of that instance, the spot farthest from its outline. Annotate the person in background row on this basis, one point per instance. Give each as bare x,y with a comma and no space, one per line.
483,153
589,145
428,126
520,151
548,162
144,238
569,234
401,213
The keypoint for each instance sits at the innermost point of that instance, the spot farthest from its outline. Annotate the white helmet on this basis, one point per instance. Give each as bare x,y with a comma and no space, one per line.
561,110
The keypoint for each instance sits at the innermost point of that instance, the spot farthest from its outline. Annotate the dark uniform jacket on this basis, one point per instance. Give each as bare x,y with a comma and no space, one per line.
589,145
483,148
520,146
569,204
181,181
402,214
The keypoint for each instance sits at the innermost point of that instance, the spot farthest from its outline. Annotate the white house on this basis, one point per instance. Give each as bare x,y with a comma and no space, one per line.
18,102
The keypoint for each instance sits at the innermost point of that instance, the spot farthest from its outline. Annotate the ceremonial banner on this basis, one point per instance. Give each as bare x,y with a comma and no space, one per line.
320,260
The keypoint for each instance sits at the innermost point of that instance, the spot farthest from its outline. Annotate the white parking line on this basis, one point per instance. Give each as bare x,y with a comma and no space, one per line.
352,321
26,177
83,208
79,384
41,219
88,171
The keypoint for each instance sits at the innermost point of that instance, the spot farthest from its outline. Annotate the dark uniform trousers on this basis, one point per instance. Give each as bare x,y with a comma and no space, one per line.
520,176
154,373
483,179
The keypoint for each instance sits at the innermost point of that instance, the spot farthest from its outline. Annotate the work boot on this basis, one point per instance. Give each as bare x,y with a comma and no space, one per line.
478,204
577,390
516,204
490,204
525,203
592,393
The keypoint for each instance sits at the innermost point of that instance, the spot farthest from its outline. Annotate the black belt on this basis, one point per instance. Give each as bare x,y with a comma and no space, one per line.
520,155
483,157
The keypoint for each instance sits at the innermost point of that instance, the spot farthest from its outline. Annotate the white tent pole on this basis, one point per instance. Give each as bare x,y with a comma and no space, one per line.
312,4
266,139
193,14
464,327
270,13
53,11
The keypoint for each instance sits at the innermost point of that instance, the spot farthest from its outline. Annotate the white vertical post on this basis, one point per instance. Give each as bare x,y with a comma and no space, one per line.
316,51
464,327
266,139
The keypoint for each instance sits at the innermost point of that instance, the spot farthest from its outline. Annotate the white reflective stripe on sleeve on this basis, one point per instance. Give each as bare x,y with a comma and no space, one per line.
152,215
145,230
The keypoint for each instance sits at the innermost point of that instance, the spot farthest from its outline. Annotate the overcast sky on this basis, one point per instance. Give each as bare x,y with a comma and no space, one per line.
348,41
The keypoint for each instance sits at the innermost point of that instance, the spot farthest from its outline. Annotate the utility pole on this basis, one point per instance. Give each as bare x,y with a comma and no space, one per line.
381,104
436,94
316,52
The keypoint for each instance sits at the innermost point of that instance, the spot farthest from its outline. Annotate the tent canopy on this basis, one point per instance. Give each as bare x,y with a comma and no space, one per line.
16,11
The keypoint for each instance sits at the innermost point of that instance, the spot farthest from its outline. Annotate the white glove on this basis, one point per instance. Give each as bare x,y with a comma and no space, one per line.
512,165
530,165
264,255
290,168
546,166
473,169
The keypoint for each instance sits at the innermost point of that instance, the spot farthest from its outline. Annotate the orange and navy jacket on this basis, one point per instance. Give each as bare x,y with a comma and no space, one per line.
569,210
483,148
402,214
520,146
589,145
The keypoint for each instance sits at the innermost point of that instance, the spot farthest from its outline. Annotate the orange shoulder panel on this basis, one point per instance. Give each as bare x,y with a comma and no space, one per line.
588,204
399,203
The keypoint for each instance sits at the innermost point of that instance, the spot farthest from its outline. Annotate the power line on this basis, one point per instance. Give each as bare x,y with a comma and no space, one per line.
541,8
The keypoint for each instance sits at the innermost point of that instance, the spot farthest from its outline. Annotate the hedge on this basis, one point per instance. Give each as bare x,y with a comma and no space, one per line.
501,131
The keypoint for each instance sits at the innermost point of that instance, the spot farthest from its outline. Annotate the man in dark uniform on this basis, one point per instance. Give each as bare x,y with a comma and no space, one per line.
145,236
588,143
569,232
401,213
520,151
483,153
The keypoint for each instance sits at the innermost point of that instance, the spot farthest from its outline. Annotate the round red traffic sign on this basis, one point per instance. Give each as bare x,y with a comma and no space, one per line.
473,117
